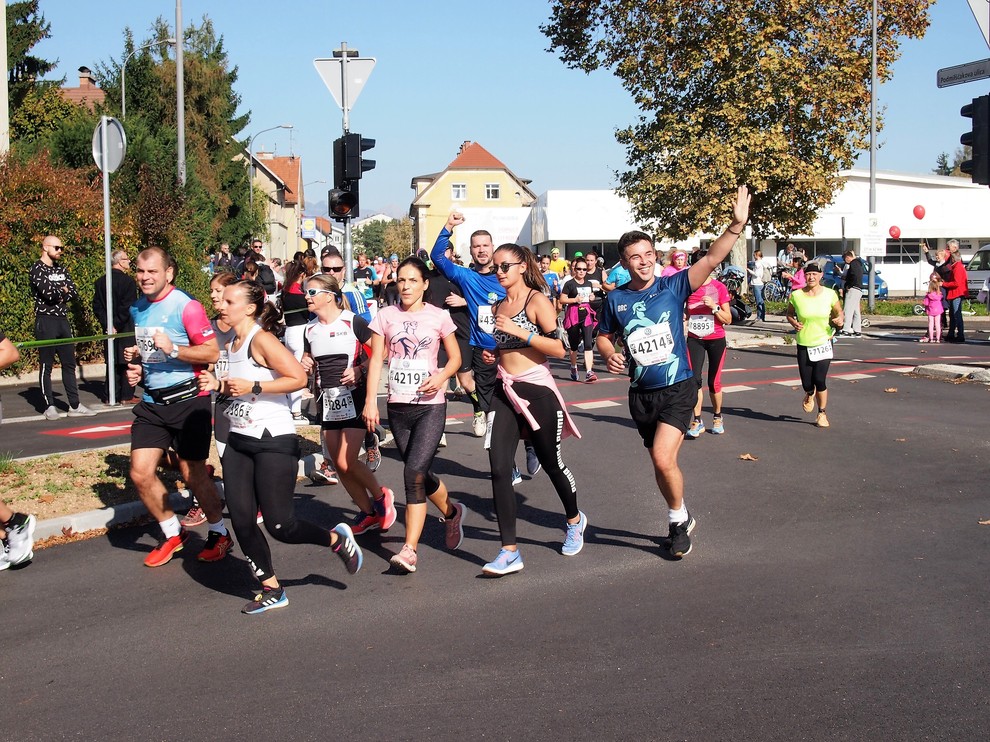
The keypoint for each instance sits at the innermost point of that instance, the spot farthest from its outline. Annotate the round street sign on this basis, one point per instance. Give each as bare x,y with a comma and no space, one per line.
116,144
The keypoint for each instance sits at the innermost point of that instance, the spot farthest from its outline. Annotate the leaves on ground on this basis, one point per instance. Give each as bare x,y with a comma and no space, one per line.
748,457
984,522
891,390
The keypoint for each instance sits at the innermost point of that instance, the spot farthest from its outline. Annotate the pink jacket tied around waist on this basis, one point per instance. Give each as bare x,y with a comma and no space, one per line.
539,376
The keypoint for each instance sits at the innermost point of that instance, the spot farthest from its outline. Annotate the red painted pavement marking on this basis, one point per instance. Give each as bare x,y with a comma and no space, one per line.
93,432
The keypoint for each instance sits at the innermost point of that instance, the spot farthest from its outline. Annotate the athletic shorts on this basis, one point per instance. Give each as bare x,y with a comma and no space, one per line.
464,345
185,426
359,394
673,405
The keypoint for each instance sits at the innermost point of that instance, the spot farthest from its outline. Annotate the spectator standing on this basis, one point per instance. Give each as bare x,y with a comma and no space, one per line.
223,261
956,290
557,264
123,291
852,288
53,289
759,274
933,308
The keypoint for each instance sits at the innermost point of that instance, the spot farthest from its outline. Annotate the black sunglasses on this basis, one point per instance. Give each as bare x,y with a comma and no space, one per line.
332,269
504,267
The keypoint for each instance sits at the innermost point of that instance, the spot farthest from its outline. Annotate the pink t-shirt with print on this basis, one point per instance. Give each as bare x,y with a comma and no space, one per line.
412,342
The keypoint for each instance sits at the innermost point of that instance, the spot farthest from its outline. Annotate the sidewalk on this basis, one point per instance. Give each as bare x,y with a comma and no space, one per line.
21,400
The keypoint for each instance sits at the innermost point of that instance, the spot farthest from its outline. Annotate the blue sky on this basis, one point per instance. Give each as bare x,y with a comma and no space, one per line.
454,71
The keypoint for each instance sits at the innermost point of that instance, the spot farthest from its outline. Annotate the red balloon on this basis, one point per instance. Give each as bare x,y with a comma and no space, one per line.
895,232
919,212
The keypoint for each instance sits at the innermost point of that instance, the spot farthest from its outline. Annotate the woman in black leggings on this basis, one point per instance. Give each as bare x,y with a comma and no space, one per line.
527,403
409,336
262,454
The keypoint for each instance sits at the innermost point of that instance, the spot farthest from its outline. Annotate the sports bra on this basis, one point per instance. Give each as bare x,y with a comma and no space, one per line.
505,341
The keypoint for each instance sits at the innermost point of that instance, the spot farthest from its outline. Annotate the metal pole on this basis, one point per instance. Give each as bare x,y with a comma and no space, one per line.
105,167
4,102
871,300
345,104
180,94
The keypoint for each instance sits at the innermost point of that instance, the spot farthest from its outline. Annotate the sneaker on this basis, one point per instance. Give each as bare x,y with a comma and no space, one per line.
364,522
301,419
533,464
590,377
218,545
373,455
166,549
718,427
696,429
385,509
822,421
680,537
405,559
20,541
80,410
259,518
4,555
347,549
574,375
479,425
268,598
574,541
857,334
324,475
505,563
454,527
443,441
51,413
516,476
195,517
809,403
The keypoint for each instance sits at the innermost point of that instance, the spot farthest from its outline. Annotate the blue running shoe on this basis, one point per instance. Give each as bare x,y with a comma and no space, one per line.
574,541
696,429
505,563
717,426
268,598
516,476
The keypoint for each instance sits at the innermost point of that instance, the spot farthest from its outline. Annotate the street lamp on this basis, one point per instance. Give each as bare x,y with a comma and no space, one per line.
251,162
123,72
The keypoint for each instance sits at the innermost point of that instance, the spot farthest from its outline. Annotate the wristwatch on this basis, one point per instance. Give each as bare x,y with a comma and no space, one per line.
256,389
174,352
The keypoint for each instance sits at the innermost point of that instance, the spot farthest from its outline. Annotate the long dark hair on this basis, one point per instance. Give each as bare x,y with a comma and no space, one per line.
532,277
266,314
293,270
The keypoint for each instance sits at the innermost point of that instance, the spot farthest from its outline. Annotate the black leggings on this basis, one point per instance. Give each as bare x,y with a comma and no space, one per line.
813,373
261,475
417,429
507,427
581,332
698,348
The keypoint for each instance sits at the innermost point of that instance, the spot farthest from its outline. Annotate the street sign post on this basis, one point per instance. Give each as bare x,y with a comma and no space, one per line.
961,73
109,148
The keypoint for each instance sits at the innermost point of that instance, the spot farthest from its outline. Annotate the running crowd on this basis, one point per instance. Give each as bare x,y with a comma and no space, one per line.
492,326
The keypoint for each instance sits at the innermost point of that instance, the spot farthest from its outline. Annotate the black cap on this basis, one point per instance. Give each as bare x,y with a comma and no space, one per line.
812,268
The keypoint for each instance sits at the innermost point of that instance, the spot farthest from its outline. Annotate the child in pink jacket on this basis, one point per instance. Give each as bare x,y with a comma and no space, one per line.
933,308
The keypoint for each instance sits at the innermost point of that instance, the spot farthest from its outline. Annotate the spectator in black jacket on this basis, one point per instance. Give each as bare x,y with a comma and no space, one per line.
53,289
123,291
852,290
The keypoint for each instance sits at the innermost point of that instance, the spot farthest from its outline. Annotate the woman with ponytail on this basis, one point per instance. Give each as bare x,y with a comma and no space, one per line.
293,303
527,402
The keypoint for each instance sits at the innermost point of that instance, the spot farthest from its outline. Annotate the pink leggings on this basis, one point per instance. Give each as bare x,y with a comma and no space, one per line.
935,328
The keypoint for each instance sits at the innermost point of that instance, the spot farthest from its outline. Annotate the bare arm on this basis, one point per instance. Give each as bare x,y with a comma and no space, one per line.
720,248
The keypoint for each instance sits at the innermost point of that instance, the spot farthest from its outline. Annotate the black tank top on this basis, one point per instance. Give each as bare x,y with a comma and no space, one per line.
504,341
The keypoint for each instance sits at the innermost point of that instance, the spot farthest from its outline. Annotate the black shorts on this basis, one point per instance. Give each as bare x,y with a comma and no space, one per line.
359,394
672,404
185,426
464,345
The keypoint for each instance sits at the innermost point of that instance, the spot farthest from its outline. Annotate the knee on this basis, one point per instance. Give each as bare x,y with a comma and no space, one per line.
143,477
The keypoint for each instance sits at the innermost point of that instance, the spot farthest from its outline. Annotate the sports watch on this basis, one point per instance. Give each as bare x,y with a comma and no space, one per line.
174,353
256,389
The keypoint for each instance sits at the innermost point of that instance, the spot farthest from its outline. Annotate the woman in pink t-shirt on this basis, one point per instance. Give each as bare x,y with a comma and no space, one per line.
707,314
409,336
678,262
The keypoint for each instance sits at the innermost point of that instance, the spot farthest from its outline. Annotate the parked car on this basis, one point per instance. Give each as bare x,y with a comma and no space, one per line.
978,270
833,267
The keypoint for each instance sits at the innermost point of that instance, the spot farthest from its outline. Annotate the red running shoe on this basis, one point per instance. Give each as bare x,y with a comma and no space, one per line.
166,549
218,545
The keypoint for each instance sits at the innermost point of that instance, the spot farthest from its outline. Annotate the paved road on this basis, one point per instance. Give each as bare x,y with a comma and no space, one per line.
837,590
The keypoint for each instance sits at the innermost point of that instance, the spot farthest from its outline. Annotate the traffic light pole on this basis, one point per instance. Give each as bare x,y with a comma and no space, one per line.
345,105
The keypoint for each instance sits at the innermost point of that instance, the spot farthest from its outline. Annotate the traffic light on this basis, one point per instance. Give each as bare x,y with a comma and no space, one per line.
348,160
343,202
978,140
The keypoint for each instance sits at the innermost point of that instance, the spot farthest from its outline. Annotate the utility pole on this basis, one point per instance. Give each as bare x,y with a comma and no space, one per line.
4,95
180,95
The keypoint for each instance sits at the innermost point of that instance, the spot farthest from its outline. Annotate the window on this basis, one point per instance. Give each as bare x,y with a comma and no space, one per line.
458,191
491,191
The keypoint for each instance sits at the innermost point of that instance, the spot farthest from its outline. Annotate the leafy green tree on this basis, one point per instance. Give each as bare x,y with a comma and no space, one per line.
39,113
398,237
26,26
371,237
962,154
772,93
942,166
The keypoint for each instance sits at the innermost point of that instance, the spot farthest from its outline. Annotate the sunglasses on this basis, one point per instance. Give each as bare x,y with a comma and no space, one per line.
314,292
504,267
56,247
333,269
580,269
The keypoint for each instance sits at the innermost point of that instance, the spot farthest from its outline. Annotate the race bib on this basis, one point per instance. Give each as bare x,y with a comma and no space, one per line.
486,318
701,324
222,367
821,352
406,375
239,413
145,338
651,345
584,293
338,404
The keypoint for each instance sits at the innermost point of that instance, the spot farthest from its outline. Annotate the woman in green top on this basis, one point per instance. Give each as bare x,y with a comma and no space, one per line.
810,311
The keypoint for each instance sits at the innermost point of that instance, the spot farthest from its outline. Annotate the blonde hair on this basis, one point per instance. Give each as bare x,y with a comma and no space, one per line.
935,283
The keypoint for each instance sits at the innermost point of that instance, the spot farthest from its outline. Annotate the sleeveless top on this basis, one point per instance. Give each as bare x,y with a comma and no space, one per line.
253,414
505,341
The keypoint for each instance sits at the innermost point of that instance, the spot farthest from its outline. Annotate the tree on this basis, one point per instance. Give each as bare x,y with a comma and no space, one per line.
398,237
371,237
25,28
962,154
39,113
942,166
773,93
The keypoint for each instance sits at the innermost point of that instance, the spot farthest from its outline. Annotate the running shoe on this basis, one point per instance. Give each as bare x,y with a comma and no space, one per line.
443,441
218,545
574,374
533,464
347,548
454,527
574,541
479,425
324,475
81,410
4,555
385,509
718,426
51,412
259,518
373,454
20,541
405,559
166,549
268,598
680,537
195,517
809,403
822,421
696,429
364,522
505,563
298,417
590,377
516,476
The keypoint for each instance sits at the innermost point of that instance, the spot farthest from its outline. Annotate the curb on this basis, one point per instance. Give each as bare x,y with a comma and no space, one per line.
949,372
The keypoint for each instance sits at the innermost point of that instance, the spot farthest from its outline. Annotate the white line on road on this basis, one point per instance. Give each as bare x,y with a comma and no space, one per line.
737,388
789,382
596,405
904,370
853,377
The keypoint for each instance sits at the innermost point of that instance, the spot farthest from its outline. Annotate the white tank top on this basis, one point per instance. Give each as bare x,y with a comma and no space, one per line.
253,414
